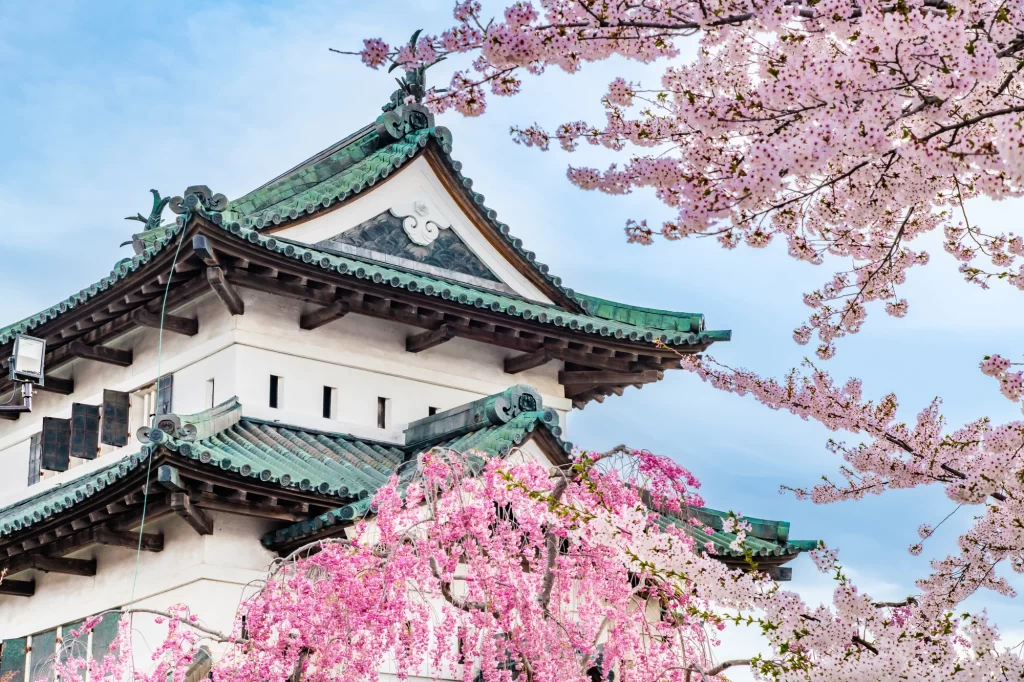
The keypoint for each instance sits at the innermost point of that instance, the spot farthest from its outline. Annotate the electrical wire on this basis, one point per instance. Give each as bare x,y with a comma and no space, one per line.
159,377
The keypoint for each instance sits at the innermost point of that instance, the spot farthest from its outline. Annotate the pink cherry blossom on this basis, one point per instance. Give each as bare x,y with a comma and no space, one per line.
847,130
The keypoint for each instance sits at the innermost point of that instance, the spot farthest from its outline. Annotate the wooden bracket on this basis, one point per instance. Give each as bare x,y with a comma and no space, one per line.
111,356
521,363
59,386
224,290
421,342
204,249
172,323
597,378
194,516
151,542
18,588
168,477
318,318
84,567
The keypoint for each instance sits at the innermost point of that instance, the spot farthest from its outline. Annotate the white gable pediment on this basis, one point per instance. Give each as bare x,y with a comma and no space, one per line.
416,196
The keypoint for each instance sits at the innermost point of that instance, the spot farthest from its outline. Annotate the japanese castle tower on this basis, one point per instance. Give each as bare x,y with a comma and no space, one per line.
361,308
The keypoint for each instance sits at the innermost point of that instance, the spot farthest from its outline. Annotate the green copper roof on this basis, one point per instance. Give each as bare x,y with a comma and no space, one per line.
765,539
48,503
350,167
467,294
641,317
462,293
350,469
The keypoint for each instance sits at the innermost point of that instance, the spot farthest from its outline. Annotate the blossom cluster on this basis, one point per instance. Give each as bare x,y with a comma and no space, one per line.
490,570
844,130
978,464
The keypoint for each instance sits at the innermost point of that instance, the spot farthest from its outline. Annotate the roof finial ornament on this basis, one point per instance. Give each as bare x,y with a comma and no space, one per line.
153,221
406,113
199,199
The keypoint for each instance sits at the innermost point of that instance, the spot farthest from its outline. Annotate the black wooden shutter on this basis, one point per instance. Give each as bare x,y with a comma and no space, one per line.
56,444
114,418
85,430
164,393
34,458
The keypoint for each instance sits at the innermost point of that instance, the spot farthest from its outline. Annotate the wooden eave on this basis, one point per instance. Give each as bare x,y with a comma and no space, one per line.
116,510
133,301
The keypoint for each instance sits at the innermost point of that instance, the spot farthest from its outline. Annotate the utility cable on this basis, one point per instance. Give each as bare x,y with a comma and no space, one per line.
159,377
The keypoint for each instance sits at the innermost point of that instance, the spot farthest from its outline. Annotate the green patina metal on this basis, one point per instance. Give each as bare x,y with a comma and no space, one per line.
765,539
351,166
351,469
460,293
651,318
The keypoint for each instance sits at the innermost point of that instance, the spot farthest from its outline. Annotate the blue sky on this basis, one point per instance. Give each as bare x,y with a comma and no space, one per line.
102,101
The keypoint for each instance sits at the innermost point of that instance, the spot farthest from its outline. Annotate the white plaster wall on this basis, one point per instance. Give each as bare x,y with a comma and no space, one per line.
206,572
14,466
414,181
363,357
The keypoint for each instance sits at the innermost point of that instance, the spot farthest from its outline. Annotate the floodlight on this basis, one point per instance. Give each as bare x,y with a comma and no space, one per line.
27,361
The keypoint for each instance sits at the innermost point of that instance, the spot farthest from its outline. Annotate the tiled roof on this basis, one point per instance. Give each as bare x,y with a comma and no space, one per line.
469,295
350,469
350,167
493,440
336,174
462,293
301,459
53,501
766,538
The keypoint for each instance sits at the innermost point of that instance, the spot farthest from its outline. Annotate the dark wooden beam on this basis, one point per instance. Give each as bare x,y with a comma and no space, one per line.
224,290
421,342
193,515
522,363
589,359
84,567
151,542
10,416
318,318
18,588
59,386
243,507
273,285
111,356
599,377
204,249
172,323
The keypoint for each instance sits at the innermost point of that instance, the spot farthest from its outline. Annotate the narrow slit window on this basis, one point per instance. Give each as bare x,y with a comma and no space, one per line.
275,391
330,402
431,411
382,412
210,392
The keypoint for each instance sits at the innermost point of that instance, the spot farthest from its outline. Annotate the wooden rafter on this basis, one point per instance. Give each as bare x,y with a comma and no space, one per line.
147,542
320,317
48,564
59,386
225,292
111,356
528,361
602,377
418,343
18,588
193,515
171,323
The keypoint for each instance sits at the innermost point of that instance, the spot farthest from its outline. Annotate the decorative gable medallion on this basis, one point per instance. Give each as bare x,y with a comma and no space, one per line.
388,237
421,220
